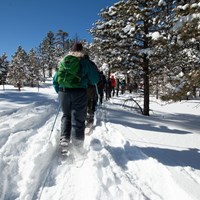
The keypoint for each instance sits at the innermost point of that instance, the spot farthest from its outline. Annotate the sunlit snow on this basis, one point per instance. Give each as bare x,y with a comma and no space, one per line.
130,157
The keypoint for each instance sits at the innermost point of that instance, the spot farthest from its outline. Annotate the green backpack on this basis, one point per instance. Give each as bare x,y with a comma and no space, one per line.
68,72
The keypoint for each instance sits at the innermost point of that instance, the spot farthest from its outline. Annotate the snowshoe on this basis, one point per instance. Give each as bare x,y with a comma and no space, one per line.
64,151
89,125
89,120
64,147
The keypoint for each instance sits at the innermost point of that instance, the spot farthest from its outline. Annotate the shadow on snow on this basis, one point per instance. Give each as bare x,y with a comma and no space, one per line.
169,157
26,97
130,120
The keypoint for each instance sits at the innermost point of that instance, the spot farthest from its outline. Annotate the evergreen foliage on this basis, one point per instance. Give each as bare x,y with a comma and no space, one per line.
155,42
125,37
3,68
143,36
62,43
48,53
34,71
18,68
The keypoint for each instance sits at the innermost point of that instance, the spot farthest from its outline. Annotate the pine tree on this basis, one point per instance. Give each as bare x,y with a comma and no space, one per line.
185,47
34,73
18,68
47,54
124,38
62,43
3,69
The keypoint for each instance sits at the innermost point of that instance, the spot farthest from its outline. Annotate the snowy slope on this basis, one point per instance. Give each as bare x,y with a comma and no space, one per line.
130,156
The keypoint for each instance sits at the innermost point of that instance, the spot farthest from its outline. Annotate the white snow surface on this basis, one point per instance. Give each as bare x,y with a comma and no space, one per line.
130,156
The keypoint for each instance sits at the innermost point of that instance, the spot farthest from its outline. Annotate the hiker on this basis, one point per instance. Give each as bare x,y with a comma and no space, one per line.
108,88
135,86
92,98
91,104
123,86
113,84
71,82
117,87
101,86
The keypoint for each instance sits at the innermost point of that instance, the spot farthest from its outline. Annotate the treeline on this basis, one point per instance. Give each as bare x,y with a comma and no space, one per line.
155,42
29,68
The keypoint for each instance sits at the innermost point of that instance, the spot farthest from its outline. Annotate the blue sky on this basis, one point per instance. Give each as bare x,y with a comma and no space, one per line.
26,22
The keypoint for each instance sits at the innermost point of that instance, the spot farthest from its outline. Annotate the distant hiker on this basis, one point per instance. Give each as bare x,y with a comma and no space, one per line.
71,82
91,103
101,86
123,86
117,87
135,86
108,88
130,87
113,84
92,98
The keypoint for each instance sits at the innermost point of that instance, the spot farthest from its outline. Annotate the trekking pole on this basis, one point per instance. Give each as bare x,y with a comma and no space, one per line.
97,94
58,110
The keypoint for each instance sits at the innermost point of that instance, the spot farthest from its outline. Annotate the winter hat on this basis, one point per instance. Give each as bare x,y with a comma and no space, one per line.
77,47
86,56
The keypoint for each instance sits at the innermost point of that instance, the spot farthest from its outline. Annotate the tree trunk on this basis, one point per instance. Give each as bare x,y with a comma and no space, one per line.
32,85
146,87
19,87
157,91
50,72
146,72
194,91
19,84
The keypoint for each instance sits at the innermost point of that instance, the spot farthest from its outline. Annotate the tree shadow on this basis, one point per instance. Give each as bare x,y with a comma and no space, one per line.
145,123
122,155
169,157
25,97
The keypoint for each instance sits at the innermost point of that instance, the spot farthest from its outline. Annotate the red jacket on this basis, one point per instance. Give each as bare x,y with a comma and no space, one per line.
113,81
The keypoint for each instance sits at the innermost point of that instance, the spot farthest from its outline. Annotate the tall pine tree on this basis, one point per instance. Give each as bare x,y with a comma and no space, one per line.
125,38
18,68
4,63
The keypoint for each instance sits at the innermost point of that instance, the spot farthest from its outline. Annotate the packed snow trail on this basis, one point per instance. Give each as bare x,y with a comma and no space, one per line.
122,161
23,146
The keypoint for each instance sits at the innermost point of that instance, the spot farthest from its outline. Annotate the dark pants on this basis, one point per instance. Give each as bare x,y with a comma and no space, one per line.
101,91
91,100
113,91
73,104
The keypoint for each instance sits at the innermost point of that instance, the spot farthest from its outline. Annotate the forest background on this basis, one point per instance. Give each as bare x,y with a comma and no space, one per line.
155,43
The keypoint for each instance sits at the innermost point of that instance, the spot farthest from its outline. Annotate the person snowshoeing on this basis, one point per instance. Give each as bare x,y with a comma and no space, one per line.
71,82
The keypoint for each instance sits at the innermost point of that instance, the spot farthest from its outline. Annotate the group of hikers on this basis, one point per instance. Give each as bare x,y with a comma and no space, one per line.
80,86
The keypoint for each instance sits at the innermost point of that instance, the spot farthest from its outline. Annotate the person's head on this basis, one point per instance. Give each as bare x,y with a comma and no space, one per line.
77,47
86,56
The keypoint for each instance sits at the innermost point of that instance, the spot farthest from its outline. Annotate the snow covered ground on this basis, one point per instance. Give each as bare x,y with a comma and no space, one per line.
131,157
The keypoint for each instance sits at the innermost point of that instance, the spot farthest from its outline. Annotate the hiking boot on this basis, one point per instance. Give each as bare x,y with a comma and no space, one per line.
89,120
64,142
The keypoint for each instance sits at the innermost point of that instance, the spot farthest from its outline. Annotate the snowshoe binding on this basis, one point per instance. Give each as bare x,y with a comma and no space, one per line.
64,147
